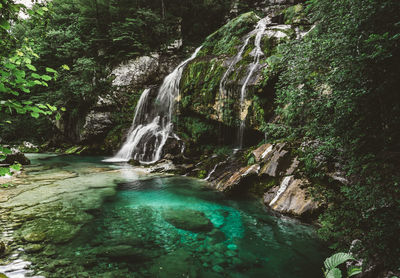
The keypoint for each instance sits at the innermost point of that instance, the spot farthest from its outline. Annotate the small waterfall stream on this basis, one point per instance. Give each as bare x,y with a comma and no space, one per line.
257,54
152,124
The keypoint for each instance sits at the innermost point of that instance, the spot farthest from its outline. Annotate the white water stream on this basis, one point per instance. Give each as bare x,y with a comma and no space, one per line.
257,53
152,124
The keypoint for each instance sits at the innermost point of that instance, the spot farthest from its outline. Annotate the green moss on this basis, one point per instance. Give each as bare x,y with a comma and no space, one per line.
225,40
72,150
294,14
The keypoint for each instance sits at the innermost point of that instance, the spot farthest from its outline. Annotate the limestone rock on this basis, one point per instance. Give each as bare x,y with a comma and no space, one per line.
187,219
291,198
135,71
262,152
276,161
238,178
96,124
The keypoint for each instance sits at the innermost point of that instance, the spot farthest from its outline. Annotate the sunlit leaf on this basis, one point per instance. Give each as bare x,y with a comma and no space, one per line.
31,67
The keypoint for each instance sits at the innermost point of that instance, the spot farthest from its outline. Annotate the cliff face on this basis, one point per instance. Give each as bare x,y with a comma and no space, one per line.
226,94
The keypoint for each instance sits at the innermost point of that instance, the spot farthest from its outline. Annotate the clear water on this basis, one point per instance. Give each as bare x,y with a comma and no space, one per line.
132,234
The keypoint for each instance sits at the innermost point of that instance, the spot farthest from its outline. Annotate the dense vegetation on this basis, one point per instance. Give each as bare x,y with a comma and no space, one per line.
339,98
89,36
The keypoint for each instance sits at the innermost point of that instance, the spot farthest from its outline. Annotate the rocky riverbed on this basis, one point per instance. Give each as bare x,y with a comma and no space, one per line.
70,216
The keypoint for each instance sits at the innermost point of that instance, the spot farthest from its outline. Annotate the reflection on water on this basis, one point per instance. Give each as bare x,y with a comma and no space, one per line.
176,227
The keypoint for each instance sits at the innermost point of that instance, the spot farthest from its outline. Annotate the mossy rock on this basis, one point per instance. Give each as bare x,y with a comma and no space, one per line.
227,38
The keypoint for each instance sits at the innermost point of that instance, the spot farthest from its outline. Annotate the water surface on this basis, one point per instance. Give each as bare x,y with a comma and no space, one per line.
174,226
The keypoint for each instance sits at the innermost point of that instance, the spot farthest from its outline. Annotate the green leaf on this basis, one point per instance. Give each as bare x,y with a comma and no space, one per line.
4,24
46,77
334,273
10,66
51,70
16,167
337,259
65,67
58,116
353,270
4,171
35,75
40,11
52,108
5,150
31,67
35,115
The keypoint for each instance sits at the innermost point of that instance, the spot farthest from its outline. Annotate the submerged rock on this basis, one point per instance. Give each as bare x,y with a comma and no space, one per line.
179,263
187,219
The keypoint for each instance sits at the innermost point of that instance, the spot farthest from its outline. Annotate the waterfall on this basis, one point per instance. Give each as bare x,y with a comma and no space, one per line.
257,54
152,123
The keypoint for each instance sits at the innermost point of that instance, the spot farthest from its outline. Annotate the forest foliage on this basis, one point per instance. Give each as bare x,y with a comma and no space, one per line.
339,98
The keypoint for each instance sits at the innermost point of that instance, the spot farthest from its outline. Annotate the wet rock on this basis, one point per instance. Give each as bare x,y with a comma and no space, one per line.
119,252
173,147
190,220
34,248
30,235
262,152
217,236
96,124
239,178
276,161
54,230
16,157
291,198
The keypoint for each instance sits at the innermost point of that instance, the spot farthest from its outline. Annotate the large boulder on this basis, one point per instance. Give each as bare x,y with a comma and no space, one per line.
291,198
136,71
97,124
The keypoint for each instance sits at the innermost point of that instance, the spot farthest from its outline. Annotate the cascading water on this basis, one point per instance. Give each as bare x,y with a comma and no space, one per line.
257,54
152,124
